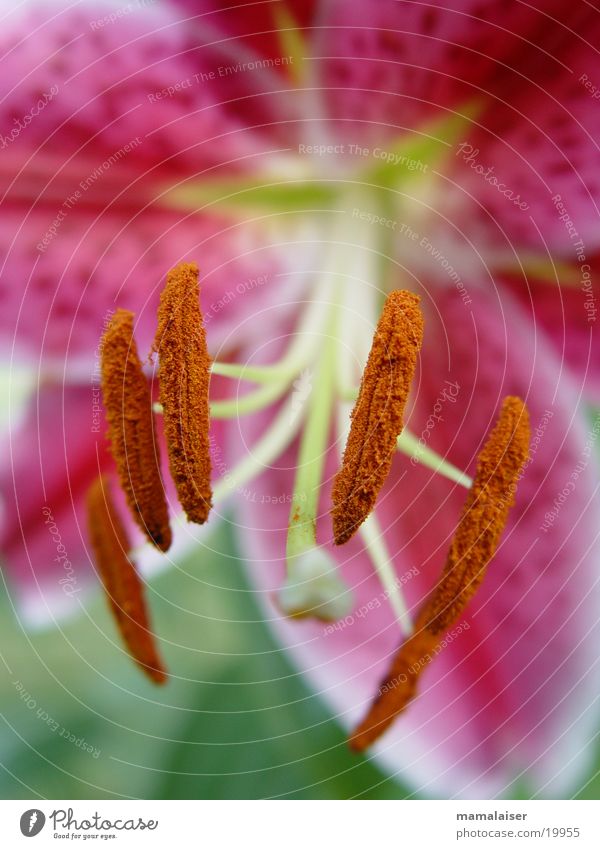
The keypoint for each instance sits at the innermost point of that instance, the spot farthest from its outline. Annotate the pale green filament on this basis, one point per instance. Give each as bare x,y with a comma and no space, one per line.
313,586
256,374
419,452
265,451
252,402
374,541
270,446
299,354
416,450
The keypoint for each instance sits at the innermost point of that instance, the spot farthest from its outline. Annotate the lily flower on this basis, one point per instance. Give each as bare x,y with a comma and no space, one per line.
316,160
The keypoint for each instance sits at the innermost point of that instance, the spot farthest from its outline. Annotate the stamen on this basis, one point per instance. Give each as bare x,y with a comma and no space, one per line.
483,519
377,418
126,395
414,448
484,514
121,580
273,442
375,546
184,375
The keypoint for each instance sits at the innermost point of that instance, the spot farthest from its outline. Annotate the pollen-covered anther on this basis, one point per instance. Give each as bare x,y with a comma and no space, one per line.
484,516
128,403
120,579
184,374
377,417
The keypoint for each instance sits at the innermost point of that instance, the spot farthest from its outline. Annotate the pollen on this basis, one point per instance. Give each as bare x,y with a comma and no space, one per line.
484,514
483,519
183,374
120,579
377,417
128,404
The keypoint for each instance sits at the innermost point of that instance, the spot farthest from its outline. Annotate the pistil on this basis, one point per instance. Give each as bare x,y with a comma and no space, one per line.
313,447
313,586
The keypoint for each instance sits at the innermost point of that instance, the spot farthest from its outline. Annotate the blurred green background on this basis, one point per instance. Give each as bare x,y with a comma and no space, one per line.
238,722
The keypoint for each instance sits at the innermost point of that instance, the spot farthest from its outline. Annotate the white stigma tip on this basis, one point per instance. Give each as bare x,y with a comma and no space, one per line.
313,588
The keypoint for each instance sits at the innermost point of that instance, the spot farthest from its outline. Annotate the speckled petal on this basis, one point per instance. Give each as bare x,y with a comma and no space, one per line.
510,698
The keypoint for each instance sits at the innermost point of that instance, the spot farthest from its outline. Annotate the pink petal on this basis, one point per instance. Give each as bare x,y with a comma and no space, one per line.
409,58
540,138
568,315
534,77
116,237
255,26
112,85
512,697
99,261
52,459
